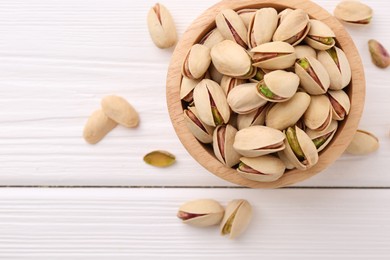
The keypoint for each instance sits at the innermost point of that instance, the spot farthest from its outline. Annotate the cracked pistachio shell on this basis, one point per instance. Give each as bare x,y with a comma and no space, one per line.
232,27
238,215
284,13
160,158
379,55
256,117
317,31
363,143
307,147
273,55
246,15
223,139
215,74
322,138
285,160
353,12
161,27
212,38
262,26
231,59
186,89
278,86
201,131
340,104
313,84
318,115
294,27
285,114
302,51
338,67
196,62
243,98
258,140
201,213
266,168
211,104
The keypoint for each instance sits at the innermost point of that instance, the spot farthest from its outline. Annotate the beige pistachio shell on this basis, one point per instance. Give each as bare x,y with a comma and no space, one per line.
340,75
302,51
206,91
257,140
215,74
120,110
318,115
269,168
201,213
246,15
284,13
212,38
285,160
243,98
232,27
363,143
97,127
228,83
340,104
256,117
161,27
238,215
281,55
223,139
186,89
319,29
281,83
231,59
262,26
322,138
201,131
196,62
311,85
294,27
285,114
353,12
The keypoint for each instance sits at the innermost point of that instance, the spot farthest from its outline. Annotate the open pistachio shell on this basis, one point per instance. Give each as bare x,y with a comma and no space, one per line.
337,65
273,55
212,38
293,28
285,114
278,86
320,36
258,140
353,12
322,138
340,104
161,26
262,26
237,216
160,158
228,83
302,51
314,77
201,131
363,143
232,27
223,139
256,117
246,15
201,213
243,98
187,89
196,62
265,168
211,104
318,115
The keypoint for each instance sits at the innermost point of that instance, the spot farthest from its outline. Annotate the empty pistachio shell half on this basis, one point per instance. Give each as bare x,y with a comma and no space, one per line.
212,38
160,158
187,89
256,117
322,138
363,143
314,77
320,36
379,55
118,109
246,15
302,51
238,215
353,12
223,139
293,28
258,140
201,213
161,27
196,62
201,131
318,115
265,168
97,127
232,27
262,26
340,104
243,98
228,83
273,55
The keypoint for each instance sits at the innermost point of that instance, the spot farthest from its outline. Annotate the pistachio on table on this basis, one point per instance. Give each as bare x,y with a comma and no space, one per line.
161,27
98,126
238,215
265,168
379,55
160,158
363,143
232,27
201,213
353,12
118,109
223,139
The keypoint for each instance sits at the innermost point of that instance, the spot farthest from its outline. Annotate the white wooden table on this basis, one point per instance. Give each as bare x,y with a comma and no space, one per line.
59,58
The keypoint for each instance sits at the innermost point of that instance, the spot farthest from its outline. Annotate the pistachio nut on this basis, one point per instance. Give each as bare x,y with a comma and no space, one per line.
256,117
322,138
161,27
232,27
196,62
337,65
379,55
314,77
215,74
160,158
97,127
284,13
258,140
353,12
285,114
246,15
340,104
318,115
266,168
243,98
231,59
187,89
320,36
363,143
211,104
262,26
273,55
300,149
223,139
278,86
293,28
201,131
302,51
201,213
228,83
285,160
237,216
259,76
212,38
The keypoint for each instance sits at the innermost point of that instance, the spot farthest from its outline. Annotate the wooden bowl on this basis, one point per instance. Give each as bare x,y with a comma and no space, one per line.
204,154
